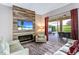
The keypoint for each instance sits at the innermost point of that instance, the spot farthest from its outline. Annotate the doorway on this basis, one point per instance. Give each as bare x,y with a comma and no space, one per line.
53,29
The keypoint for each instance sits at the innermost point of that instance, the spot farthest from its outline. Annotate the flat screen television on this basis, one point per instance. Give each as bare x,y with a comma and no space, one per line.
25,25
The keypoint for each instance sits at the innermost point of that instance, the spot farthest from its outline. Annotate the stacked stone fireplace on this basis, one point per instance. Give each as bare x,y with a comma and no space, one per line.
27,15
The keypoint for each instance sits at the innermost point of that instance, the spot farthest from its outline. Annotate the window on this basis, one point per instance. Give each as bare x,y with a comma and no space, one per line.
66,25
58,26
53,26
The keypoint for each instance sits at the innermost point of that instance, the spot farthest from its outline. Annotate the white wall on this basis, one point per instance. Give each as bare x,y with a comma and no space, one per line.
6,22
39,21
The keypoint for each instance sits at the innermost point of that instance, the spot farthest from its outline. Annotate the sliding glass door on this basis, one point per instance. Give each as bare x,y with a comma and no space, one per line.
53,29
66,28
66,25
60,29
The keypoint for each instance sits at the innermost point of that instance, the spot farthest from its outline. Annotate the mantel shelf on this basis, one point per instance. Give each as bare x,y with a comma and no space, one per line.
24,33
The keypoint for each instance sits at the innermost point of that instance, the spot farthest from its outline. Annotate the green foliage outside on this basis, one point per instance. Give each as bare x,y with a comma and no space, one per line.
65,28
53,28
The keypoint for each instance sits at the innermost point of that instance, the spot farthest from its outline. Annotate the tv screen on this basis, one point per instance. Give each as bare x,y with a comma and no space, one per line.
25,25
19,23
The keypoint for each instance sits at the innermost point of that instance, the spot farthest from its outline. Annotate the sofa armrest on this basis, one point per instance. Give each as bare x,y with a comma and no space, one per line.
13,42
21,52
59,53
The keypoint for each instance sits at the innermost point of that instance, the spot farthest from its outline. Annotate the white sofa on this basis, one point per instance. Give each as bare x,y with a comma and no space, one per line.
12,48
63,50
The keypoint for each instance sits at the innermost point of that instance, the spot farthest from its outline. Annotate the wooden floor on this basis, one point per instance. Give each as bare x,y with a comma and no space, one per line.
47,48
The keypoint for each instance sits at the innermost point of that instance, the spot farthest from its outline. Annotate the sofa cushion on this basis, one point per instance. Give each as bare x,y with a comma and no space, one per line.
59,53
77,53
71,41
64,48
15,47
4,47
41,34
21,52
68,44
7,49
74,48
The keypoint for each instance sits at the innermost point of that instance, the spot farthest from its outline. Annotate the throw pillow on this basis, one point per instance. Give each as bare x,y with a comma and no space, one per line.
74,48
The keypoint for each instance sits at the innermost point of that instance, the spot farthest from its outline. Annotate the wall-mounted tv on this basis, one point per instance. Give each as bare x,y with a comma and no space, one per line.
24,25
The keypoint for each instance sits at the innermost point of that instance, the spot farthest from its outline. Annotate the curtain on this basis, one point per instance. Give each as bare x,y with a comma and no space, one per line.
46,27
74,24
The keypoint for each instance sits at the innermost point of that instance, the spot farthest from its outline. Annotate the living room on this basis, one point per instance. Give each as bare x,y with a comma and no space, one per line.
26,28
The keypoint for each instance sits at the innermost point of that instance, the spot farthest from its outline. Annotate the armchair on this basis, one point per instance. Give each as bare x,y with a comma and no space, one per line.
41,37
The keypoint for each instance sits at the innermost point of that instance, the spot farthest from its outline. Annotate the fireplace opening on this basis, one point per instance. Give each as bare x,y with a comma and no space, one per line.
26,38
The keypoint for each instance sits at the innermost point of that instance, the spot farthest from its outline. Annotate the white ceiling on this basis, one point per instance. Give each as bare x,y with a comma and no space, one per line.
39,8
